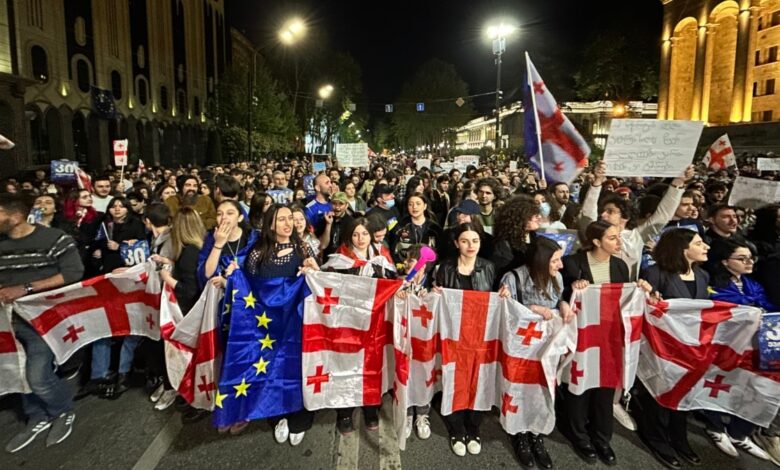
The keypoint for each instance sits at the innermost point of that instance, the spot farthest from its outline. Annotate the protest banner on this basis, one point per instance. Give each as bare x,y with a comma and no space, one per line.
63,171
120,152
462,162
769,342
513,165
752,193
352,155
651,147
447,166
423,163
769,164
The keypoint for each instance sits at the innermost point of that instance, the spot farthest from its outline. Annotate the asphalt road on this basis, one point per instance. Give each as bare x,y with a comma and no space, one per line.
129,434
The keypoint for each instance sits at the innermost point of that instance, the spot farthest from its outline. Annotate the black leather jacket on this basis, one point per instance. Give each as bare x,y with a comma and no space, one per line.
481,278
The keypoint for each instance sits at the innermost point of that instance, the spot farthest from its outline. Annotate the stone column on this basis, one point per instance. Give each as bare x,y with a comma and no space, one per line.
664,82
698,74
742,88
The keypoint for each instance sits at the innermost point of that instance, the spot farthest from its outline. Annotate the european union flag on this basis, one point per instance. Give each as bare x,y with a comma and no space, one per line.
103,103
261,372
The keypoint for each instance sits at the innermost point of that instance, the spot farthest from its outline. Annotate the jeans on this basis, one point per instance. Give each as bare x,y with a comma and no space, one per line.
418,410
50,395
101,356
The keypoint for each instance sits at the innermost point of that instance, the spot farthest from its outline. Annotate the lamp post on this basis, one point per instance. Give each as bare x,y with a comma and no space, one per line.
292,31
498,34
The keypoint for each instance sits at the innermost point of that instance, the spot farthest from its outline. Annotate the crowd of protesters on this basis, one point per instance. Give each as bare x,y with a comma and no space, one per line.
678,238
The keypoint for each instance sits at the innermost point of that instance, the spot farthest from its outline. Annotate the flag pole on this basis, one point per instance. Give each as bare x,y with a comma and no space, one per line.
536,113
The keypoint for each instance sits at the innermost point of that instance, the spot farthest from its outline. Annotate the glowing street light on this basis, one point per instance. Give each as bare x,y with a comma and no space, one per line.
498,34
325,91
292,31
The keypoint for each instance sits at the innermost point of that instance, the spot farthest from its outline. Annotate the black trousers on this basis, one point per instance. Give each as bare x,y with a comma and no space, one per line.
464,423
298,422
589,416
370,412
661,428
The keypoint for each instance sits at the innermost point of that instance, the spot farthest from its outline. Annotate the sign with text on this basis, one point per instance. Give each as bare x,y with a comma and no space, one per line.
462,162
752,193
136,253
120,152
651,147
64,171
769,164
769,342
352,155
423,163
513,165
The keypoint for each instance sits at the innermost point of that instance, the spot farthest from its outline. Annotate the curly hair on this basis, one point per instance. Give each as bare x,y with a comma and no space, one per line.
511,219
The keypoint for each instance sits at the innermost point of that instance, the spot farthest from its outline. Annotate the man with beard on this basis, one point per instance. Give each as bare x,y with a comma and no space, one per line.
320,205
569,210
102,195
333,225
383,198
188,196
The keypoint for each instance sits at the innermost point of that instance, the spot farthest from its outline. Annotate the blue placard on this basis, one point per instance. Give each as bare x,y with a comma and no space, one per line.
63,171
281,196
134,254
565,240
420,107
769,342
319,166
308,185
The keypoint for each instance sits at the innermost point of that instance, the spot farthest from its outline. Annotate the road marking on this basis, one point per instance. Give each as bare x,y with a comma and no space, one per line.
389,452
348,451
159,446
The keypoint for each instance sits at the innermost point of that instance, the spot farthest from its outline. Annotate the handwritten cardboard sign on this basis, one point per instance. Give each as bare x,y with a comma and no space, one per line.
651,147
753,192
352,155
769,164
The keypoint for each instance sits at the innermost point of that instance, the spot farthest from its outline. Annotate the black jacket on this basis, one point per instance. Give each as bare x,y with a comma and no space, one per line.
670,286
576,267
482,277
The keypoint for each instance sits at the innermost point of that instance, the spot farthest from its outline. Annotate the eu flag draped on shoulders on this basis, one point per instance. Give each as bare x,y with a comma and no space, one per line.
552,143
261,372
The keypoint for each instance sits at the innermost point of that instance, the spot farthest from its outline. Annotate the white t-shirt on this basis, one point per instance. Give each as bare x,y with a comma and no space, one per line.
100,203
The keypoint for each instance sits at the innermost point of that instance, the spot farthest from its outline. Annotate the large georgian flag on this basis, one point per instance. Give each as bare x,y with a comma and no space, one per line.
609,327
347,340
121,304
698,354
12,357
720,155
192,349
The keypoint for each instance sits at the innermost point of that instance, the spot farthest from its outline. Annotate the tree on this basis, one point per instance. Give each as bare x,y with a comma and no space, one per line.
616,69
437,85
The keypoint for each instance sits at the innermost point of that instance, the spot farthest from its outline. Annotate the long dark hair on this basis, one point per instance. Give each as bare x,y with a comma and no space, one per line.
346,236
539,254
242,224
594,231
511,219
765,229
263,248
720,277
669,252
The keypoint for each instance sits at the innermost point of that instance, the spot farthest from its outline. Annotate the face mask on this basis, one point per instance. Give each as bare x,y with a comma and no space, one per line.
544,208
390,204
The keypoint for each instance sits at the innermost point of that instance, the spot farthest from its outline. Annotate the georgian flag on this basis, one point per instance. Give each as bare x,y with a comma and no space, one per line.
121,304
84,181
347,340
339,261
192,351
609,327
698,354
563,150
12,357
720,154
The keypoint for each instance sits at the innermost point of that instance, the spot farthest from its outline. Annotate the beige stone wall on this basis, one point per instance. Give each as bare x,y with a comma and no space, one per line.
719,74
682,70
765,39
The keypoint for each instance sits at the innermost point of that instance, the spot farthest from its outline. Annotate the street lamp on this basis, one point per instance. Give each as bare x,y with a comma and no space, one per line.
293,30
325,91
498,34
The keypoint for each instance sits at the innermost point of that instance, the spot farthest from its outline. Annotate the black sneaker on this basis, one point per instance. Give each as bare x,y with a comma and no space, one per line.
523,449
540,452
371,418
344,425
180,404
92,387
193,415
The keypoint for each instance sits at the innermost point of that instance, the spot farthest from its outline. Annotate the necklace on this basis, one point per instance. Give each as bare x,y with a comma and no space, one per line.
234,252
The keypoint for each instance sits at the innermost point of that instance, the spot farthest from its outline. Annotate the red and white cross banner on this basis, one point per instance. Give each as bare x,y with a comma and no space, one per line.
192,350
720,154
698,354
121,304
12,357
347,340
120,152
609,327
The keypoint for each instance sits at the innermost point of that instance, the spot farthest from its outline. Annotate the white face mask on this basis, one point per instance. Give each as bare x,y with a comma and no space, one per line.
544,209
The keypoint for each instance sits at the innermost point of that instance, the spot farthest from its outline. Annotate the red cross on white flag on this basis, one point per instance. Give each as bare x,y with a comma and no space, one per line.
720,154
5,143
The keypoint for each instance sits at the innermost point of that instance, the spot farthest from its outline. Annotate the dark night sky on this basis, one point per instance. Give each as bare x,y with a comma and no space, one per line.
391,40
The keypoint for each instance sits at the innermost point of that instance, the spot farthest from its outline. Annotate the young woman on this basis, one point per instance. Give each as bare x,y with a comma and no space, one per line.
588,417
515,229
49,211
260,204
304,231
227,244
357,206
549,210
538,285
730,281
246,197
279,252
368,185
676,274
467,271
358,255
417,227
166,191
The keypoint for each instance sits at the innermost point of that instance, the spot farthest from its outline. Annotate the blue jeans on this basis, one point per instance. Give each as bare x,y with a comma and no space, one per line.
50,395
101,356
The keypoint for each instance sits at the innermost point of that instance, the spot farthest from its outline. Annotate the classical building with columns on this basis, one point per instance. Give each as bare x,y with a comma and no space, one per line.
719,61
63,62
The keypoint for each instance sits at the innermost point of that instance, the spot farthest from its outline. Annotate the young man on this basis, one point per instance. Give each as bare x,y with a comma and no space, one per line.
43,259
488,190
188,196
333,224
384,206
320,205
102,195
569,210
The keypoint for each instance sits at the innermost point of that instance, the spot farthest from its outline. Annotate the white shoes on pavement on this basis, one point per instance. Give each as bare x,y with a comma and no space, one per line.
408,428
423,426
622,417
747,445
722,442
282,433
165,400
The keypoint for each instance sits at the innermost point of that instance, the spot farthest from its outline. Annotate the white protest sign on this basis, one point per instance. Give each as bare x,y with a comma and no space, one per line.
462,162
352,155
513,165
447,166
754,192
651,147
423,163
120,152
769,164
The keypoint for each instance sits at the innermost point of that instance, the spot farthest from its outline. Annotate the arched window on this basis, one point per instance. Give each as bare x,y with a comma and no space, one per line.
82,75
40,64
142,91
196,106
181,101
116,85
164,98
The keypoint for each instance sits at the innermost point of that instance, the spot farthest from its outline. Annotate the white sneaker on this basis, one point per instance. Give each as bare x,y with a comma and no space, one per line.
166,399
458,446
296,438
750,447
408,428
281,431
622,417
423,427
722,442
770,444
474,447
155,396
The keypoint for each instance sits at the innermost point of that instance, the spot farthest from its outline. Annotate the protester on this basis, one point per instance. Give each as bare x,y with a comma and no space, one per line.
188,196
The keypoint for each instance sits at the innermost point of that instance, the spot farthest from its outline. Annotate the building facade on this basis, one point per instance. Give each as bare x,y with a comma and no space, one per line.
77,74
719,61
